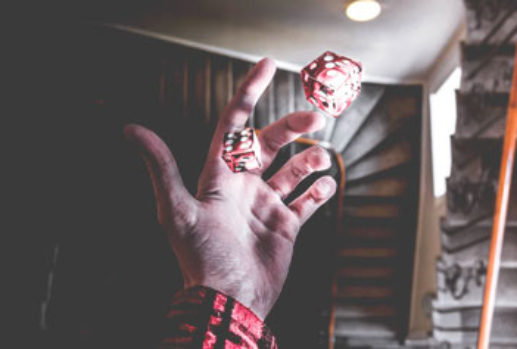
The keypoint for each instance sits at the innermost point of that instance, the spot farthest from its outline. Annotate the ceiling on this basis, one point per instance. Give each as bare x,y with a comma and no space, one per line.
402,45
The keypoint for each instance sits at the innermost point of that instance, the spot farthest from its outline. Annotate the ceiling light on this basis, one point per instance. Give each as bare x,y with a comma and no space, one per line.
363,10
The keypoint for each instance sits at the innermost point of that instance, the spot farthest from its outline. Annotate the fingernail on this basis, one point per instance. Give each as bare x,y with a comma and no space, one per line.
320,158
324,187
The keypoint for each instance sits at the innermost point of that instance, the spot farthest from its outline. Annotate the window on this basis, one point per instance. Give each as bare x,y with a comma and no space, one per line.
443,125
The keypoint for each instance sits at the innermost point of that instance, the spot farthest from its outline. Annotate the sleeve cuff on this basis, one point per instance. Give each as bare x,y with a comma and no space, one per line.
201,317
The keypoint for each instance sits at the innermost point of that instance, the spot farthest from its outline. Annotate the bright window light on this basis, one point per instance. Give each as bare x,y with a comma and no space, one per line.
443,125
363,10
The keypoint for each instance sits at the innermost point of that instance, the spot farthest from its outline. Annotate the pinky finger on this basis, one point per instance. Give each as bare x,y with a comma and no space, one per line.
317,194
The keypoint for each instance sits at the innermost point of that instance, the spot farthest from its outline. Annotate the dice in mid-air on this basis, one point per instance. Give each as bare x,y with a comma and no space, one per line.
332,82
241,150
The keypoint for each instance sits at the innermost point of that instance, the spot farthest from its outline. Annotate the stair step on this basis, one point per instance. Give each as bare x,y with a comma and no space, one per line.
364,252
365,292
493,27
375,210
367,241
462,326
370,328
396,116
481,114
341,283
455,226
474,158
369,343
470,199
389,157
461,339
481,23
504,322
353,311
496,73
362,272
393,186
473,146
480,252
456,240
372,200
449,303
355,116
422,343
372,232
367,262
464,286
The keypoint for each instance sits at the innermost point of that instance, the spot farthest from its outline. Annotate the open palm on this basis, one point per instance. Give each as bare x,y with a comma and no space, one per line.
237,235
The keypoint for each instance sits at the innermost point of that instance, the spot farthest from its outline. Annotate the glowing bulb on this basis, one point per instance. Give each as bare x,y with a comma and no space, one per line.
363,10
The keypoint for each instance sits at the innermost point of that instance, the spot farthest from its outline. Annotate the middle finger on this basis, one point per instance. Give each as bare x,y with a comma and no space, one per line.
286,130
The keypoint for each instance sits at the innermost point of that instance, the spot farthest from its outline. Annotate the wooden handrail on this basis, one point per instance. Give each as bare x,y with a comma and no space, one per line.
339,229
501,210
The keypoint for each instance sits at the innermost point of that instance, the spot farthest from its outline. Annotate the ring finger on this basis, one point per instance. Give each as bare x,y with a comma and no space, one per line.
297,168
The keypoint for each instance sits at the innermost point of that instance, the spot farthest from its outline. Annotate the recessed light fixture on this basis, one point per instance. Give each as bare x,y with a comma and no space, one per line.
362,10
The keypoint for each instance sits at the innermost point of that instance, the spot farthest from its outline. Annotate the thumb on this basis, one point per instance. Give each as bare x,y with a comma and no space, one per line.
176,207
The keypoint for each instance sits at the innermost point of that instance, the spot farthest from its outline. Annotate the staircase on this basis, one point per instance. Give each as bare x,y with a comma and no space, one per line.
378,139
487,63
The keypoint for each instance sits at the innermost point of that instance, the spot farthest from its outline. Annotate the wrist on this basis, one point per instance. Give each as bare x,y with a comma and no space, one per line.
242,293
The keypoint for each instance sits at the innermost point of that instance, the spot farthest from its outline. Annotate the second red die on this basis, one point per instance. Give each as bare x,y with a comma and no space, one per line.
241,150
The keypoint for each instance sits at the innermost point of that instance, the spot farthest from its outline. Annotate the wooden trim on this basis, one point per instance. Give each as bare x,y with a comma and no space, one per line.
339,222
501,210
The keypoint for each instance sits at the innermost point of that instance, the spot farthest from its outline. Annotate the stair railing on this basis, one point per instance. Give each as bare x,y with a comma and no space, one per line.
501,210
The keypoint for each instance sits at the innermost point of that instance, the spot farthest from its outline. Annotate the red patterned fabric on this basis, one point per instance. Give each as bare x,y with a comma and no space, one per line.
201,317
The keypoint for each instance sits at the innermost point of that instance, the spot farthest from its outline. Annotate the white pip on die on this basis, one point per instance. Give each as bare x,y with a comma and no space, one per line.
242,150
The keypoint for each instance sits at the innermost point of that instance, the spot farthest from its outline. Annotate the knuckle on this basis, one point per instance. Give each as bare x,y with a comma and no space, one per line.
318,158
271,143
276,189
284,222
245,99
300,168
266,198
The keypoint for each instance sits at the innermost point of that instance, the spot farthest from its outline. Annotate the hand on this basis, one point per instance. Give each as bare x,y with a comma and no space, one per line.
237,235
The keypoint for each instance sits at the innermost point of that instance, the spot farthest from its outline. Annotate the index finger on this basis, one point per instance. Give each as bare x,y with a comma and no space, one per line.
237,112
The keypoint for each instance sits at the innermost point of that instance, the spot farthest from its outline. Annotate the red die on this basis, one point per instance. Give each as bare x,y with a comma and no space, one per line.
241,150
332,82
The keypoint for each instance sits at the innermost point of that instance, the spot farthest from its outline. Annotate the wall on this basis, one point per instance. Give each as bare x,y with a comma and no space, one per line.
427,247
